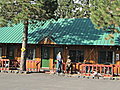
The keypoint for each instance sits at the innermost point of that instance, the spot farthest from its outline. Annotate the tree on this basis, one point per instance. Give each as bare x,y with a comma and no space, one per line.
26,12
105,14
73,9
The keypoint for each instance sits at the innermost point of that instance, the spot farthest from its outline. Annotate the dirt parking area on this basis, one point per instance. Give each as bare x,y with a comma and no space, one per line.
41,81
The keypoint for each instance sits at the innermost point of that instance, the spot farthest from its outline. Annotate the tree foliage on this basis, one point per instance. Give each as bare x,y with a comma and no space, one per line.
73,9
105,14
16,11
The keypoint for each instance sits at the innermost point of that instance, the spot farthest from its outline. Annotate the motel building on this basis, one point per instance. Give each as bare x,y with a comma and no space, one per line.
74,37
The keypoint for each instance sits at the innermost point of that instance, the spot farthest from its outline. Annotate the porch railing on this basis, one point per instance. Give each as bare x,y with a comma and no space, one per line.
4,64
74,65
32,66
88,69
84,69
7,64
116,70
104,70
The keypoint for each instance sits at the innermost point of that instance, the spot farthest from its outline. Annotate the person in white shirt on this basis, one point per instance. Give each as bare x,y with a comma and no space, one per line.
59,62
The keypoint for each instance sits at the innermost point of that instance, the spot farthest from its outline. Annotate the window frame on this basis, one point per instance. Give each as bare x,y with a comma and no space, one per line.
76,57
47,51
10,51
106,57
33,57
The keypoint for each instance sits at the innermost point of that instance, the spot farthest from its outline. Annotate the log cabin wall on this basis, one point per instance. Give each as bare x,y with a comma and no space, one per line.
65,53
4,52
38,53
51,58
18,52
94,55
90,52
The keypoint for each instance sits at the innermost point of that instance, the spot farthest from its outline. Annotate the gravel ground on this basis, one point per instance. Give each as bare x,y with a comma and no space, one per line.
41,81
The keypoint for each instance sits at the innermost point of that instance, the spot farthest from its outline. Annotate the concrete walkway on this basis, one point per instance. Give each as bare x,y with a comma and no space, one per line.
41,81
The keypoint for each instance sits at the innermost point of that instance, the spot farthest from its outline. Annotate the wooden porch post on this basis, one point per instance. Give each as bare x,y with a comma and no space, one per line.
51,58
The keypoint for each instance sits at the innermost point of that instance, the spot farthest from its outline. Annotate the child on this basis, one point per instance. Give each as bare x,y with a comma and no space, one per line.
68,65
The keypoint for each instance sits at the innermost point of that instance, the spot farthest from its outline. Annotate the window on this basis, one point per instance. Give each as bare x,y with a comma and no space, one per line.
45,53
0,52
30,54
105,57
76,55
10,52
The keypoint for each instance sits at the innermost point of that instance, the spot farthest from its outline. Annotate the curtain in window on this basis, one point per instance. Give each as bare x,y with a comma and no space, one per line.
30,54
105,57
76,55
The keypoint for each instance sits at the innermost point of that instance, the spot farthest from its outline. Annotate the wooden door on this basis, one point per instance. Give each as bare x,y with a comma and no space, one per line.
45,57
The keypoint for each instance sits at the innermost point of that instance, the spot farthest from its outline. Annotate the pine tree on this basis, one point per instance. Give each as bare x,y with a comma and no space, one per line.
105,14
73,9
26,12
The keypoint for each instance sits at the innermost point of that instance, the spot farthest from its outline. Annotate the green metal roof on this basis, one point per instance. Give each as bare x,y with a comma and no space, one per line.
63,31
